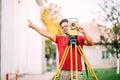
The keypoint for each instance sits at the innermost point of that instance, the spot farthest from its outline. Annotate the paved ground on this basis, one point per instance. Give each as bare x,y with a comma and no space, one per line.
45,76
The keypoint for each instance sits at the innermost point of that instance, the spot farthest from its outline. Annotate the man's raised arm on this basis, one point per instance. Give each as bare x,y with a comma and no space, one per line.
42,32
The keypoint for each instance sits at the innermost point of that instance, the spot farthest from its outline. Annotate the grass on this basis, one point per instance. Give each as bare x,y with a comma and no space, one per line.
103,74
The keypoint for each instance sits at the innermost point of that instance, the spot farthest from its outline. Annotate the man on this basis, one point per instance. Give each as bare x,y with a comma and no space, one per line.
62,42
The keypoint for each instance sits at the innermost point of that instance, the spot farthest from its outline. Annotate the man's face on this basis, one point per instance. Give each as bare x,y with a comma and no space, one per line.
64,27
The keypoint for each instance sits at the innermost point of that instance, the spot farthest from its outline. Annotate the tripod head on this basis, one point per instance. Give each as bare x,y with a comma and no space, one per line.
73,40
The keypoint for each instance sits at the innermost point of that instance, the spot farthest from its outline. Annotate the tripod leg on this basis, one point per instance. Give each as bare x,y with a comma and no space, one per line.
76,58
61,62
87,63
71,62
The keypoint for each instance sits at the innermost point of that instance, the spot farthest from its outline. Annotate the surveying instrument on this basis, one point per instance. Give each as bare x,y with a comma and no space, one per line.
73,42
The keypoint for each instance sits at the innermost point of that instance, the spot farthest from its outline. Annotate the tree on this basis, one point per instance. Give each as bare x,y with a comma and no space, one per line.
50,49
110,37
50,16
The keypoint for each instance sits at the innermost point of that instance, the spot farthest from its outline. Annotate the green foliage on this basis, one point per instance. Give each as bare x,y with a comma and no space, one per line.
51,46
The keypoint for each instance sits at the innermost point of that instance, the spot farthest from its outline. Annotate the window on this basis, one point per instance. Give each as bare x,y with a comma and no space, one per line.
105,55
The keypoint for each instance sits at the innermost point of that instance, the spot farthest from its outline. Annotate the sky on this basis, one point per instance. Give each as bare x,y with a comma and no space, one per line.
81,9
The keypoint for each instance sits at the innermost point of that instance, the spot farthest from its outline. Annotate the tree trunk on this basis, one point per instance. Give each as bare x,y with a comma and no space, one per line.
118,66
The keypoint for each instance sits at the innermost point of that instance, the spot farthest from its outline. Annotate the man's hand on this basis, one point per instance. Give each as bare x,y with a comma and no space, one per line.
88,39
81,29
31,25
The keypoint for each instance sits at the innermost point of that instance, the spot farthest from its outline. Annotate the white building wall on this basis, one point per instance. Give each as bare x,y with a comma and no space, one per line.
22,49
94,56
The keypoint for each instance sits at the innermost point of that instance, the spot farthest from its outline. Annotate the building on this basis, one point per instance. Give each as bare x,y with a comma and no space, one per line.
97,55
22,49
